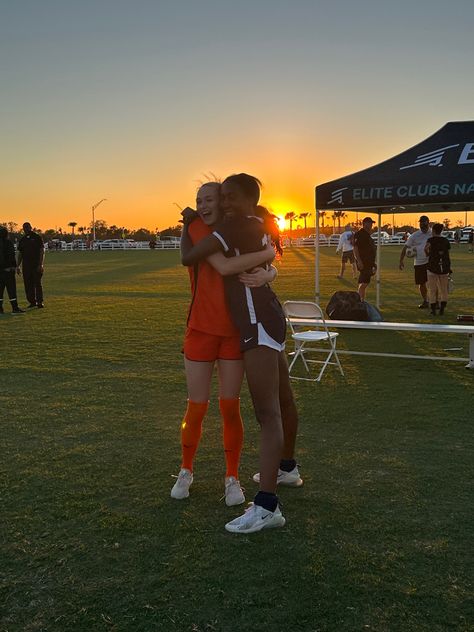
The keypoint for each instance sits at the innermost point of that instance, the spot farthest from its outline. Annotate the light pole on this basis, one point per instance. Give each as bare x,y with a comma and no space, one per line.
93,217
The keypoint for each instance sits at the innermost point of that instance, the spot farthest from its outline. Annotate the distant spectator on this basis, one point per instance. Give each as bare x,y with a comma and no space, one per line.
471,239
364,252
457,236
152,244
31,255
439,268
418,241
7,272
346,244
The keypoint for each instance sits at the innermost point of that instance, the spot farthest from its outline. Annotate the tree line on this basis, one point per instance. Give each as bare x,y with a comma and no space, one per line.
102,231
326,217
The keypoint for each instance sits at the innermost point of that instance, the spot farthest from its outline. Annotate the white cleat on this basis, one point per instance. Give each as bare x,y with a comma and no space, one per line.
233,492
290,479
181,487
255,519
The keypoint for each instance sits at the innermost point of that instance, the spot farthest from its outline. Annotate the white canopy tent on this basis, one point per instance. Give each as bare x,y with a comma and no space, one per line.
435,176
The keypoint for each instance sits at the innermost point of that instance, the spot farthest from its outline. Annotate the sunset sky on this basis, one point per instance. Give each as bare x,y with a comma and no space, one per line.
137,101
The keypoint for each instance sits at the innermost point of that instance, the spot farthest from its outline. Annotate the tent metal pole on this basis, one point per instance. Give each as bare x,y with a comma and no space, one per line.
377,274
316,259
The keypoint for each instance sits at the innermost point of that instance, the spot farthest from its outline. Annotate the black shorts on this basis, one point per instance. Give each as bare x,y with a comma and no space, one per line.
348,256
365,275
271,333
421,274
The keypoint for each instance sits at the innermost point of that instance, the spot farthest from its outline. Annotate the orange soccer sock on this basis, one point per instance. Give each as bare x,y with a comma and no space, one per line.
233,434
191,429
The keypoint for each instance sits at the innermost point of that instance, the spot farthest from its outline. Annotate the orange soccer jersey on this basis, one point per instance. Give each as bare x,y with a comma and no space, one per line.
208,312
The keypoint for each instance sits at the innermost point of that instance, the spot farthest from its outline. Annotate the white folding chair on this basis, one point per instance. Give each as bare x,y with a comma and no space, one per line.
319,334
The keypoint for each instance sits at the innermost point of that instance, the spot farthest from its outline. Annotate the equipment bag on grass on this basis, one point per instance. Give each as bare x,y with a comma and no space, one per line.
345,305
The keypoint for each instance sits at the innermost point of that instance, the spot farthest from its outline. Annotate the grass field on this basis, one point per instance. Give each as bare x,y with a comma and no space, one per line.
92,391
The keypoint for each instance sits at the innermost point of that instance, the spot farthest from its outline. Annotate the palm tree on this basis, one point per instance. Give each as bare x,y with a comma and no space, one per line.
339,215
334,217
303,216
290,217
73,226
322,215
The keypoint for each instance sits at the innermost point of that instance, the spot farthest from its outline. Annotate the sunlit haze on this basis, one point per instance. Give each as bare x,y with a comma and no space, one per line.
139,102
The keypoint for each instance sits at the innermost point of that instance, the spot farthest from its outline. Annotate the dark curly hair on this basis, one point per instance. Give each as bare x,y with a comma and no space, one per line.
250,186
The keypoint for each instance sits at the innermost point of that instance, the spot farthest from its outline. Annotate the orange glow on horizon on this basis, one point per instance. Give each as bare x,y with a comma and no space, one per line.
154,212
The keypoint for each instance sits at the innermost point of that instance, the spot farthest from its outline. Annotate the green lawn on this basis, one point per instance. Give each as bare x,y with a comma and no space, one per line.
92,391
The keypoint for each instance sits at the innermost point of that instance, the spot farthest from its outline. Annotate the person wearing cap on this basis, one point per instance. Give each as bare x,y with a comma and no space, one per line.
418,241
364,252
346,244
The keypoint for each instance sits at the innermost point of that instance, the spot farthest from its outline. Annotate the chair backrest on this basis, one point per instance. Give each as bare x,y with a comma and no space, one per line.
304,309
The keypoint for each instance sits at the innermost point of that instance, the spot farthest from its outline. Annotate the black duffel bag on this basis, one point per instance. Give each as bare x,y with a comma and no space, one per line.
348,306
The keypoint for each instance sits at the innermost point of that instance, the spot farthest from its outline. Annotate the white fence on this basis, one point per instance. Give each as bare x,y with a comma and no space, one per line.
333,240
136,245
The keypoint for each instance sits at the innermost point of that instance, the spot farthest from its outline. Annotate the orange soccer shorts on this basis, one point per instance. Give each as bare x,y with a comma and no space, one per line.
203,347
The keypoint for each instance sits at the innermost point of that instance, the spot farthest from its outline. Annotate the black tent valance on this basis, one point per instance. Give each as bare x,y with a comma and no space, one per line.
437,173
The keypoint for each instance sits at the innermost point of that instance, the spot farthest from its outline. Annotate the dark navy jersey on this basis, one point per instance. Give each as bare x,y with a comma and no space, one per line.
366,246
7,254
31,247
241,235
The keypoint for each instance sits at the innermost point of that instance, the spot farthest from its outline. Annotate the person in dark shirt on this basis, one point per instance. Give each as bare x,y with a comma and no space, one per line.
364,252
439,268
259,318
7,271
31,255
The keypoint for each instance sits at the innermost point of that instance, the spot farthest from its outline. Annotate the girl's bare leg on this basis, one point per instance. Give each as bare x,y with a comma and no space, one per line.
198,379
289,415
262,371
231,375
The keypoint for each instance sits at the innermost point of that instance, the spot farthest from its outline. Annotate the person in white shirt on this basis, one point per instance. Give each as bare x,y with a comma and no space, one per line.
418,241
347,246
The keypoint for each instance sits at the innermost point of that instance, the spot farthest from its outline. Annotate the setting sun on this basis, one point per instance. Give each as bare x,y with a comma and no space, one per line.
281,222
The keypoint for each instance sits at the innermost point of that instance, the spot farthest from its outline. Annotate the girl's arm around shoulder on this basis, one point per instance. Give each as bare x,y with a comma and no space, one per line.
193,254
234,265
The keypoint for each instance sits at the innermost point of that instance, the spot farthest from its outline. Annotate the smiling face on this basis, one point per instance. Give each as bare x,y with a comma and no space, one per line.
207,203
234,200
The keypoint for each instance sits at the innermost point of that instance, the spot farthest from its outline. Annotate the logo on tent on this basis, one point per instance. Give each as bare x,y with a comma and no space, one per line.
432,158
336,196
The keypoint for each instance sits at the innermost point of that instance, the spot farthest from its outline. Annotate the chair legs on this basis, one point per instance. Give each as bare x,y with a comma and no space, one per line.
332,353
337,359
300,352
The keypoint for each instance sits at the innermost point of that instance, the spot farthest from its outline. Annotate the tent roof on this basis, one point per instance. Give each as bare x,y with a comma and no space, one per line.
436,175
